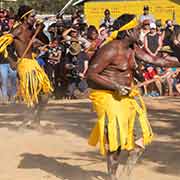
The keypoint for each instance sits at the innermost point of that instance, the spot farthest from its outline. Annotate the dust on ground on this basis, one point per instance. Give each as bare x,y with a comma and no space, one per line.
60,151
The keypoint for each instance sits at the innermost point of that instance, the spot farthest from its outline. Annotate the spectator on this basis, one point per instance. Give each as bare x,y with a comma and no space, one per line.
144,30
76,64
166,52
92,37
159,28
52,31
54,55
4,22
60,28
7,76
103,33
178,83
176,41
72,34
149,74
152,41
146,15
168,33
107,20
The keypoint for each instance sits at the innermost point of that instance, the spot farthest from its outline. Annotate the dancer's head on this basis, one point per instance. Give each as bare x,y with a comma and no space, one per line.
26,14
127,27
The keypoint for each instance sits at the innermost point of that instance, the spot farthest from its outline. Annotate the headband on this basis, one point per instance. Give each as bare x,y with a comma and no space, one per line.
133,23
30,11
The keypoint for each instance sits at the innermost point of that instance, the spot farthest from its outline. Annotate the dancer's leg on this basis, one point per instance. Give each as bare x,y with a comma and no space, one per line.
135,154
113,159
38,110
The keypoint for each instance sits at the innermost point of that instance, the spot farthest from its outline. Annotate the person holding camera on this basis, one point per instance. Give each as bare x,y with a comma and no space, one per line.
72,34
76,65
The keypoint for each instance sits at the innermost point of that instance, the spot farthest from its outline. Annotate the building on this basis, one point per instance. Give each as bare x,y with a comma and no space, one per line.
161,9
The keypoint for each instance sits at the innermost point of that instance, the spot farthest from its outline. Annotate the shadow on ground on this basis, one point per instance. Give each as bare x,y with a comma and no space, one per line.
57,167
77,118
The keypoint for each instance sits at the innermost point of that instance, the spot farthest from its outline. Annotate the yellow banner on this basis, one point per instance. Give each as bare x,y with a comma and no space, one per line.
163,9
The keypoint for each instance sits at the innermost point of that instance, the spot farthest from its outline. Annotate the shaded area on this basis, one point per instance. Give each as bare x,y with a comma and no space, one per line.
57,167
166,155
169,119
68,116
176,1
78,119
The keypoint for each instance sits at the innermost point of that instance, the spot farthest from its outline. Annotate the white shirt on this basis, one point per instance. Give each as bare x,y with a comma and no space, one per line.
147,17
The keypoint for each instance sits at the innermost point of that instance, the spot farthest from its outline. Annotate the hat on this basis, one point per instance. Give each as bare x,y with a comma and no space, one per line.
75,48
166,49
152,25
146,8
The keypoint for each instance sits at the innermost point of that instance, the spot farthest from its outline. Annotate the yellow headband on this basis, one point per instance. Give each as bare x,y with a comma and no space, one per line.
133,23
30,11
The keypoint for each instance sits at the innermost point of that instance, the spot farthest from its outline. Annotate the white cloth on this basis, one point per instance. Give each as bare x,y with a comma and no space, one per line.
147,17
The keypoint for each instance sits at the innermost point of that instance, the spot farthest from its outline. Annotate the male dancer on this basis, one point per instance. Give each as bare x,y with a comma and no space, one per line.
122,121
34,85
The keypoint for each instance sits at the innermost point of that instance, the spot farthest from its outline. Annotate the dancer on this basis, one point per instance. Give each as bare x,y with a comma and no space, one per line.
122,120
34,85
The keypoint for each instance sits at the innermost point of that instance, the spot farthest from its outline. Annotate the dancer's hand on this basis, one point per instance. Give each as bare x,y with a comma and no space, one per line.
13,65
123,90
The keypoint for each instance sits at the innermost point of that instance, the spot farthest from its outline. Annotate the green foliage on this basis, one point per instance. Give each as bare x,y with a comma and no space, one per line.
42,6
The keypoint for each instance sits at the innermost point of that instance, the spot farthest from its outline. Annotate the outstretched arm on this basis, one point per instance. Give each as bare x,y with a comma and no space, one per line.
158,61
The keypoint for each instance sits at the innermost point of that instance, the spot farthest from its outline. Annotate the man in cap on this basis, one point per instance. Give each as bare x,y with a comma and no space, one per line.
122,121
152,41
146,15
34,85
76,64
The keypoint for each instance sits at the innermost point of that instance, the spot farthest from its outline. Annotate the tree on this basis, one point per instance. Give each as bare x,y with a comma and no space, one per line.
42,6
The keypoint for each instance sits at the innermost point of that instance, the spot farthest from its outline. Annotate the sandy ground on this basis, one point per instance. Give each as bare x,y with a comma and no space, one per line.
60,151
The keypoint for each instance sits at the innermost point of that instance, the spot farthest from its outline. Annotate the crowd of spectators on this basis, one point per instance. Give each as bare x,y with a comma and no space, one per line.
73,43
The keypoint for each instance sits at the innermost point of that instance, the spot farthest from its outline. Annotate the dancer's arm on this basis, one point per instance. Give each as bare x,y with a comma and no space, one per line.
167,62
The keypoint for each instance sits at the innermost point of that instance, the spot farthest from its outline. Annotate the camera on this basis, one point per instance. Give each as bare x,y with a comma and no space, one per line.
73,72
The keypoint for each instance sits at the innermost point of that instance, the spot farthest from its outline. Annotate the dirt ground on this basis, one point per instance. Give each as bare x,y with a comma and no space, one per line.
60,150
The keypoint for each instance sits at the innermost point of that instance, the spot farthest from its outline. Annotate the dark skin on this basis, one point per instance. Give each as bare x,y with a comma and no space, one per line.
112,69
22,36
114,63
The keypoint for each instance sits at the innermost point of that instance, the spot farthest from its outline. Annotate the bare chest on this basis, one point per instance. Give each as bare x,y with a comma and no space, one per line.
24,37
123,62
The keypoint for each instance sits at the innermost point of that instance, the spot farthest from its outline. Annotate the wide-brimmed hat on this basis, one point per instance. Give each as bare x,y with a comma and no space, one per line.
166,49
75,48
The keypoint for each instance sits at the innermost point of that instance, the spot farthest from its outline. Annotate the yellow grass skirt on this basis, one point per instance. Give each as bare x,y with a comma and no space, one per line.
32,81
121,112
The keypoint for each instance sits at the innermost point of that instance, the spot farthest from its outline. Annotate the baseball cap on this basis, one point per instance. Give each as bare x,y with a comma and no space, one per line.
152,25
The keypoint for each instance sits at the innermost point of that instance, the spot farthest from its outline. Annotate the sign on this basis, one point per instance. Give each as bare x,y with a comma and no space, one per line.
94,11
